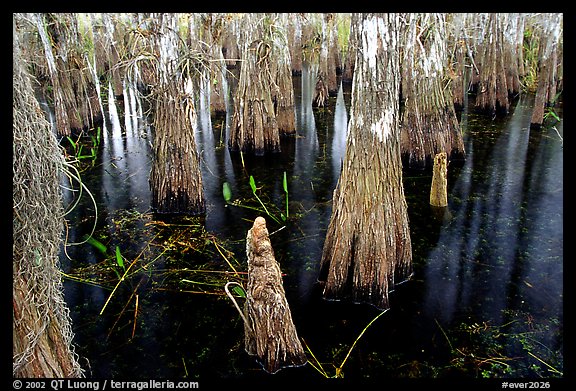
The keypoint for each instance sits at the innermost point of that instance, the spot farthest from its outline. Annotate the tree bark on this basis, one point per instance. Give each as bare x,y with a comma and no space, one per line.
367,248
41,327
175,177
254,127
439,187
282,87
270,334
492,90
429,122
547,59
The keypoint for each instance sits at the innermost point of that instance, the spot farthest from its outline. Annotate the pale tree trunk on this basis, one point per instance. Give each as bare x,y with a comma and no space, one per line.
112,43
512,45
175,177
213,25
429,122
281,70
76,102
254,127
295,42
458,65
41,327
333,59
321,92
348,72
368,248
551,32
492,90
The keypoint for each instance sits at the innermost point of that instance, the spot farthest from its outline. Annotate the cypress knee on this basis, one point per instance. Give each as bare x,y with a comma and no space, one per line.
270,334
438,190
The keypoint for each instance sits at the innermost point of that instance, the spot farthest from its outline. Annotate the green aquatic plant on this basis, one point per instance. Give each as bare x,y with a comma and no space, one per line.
339,373
227,195
285,186
78,149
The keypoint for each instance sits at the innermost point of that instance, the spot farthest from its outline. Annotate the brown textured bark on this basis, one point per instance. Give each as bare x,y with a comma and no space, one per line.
51,357
492,90
282,87
429,123
547,59
270,334
175,178
439,187
254,126
41,327
367,248
348,72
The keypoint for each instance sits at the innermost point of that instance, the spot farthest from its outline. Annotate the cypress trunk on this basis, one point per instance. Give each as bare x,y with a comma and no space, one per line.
41,327
429,123
492,90
254,127
367,247
175,177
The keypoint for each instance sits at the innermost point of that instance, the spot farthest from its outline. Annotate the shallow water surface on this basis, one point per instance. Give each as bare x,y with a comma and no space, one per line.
485,299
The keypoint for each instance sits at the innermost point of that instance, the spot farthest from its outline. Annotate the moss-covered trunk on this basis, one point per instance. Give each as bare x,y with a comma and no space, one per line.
41,327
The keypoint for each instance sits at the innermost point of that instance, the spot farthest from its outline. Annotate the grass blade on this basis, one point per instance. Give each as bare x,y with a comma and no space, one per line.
97,244
119,258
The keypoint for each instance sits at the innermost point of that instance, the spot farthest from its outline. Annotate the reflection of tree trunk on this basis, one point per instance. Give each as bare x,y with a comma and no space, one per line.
368,247
429,123
270,334
41,331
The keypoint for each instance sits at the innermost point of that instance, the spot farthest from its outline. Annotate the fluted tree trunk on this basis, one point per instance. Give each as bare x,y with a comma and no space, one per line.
254,127
458,59
281,68
75,97
348,71
429,122
175,177
551,31
368,248
492,89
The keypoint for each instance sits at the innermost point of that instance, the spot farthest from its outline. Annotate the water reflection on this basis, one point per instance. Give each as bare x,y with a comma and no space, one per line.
485,259
499,249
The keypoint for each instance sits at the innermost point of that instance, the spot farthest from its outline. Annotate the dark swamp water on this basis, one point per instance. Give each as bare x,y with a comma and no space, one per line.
485,300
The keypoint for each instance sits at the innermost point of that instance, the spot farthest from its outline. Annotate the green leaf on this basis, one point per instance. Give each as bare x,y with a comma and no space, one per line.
239,291
119,258
97,244
226,192
252,184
